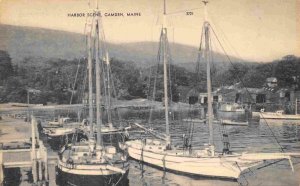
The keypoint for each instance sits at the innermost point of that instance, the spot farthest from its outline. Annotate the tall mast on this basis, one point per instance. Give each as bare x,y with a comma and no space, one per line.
207,59
165,60
108,90
90,71
98,86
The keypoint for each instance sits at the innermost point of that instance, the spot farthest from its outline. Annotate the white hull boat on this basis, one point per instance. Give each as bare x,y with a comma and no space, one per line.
194,120
57,132
231,122
200,162
279,115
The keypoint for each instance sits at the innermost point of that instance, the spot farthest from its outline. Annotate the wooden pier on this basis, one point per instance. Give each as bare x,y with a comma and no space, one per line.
18,150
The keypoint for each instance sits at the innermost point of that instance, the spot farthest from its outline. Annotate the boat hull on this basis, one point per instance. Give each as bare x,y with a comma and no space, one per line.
206,166
278,116
194,120
236,123
65,176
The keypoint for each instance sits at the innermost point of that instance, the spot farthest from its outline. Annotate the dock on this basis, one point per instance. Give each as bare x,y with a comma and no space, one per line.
18,150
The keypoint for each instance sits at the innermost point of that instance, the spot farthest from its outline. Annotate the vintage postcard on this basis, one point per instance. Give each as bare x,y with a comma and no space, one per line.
150,92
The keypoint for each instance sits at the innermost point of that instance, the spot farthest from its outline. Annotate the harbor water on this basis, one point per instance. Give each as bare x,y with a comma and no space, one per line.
258,136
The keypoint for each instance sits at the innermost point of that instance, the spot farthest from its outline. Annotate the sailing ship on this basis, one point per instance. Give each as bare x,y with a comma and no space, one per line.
279,114
102,157
206,162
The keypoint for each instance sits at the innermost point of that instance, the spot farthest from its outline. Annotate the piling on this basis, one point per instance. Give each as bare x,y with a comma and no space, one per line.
1,169
33,152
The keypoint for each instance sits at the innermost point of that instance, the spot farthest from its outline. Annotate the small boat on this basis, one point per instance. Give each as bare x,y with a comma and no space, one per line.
64,122
194,120
59,131
232,122
59,121
279,114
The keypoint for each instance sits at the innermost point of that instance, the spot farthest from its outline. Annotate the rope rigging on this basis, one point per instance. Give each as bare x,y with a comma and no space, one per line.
243,84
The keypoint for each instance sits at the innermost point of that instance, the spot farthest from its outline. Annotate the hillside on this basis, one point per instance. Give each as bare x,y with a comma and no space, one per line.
23,42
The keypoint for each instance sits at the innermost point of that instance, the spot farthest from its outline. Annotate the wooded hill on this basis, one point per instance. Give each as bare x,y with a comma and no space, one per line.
55,78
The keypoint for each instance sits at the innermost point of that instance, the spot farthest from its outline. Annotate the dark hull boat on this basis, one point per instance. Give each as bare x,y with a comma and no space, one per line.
100,158
65,178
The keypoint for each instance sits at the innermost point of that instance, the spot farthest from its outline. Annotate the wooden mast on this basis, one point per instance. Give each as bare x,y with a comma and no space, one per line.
98,85
90,73
209,91
108,90
165,60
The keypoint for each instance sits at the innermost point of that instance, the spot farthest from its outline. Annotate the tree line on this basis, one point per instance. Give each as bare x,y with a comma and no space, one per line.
54,78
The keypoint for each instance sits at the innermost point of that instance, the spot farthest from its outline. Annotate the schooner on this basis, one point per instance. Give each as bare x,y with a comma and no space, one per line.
205,162
100,159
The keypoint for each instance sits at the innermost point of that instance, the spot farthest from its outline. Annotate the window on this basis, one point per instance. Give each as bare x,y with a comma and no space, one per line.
260,98
288,96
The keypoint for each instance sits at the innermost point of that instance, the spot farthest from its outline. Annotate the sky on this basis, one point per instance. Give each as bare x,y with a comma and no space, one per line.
260,30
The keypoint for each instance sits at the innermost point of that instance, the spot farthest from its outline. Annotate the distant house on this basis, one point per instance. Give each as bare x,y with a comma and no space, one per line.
183,93
215,97
188,94
85,99
238,95
271,82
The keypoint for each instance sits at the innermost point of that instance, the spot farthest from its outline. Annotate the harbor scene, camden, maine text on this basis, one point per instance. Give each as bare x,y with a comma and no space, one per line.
168,92
107,14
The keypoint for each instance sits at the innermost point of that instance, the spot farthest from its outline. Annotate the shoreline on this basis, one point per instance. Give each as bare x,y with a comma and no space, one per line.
134,103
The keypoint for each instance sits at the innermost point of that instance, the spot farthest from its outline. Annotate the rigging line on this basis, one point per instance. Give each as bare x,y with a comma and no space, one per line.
105,85
226,40
115,94
155,78
153,58
199,60
281,148
104,81
105,49
108,90
82,90
76,75
149,83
